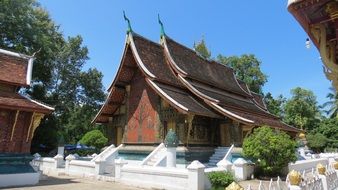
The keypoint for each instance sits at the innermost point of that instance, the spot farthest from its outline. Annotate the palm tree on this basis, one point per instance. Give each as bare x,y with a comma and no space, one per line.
332,104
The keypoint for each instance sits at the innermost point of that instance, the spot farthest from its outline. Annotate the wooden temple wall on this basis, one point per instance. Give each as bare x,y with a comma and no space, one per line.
146,118
13,135
142,121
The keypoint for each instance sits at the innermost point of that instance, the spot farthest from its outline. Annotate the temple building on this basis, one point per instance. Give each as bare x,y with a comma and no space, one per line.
162,86
319,19
19,114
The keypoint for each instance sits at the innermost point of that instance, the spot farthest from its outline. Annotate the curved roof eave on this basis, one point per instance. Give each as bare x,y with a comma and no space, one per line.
165,96
126,44
195,91
139,61
230,114
171,60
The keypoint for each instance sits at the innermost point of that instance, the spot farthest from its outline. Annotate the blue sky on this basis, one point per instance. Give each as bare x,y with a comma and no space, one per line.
264,28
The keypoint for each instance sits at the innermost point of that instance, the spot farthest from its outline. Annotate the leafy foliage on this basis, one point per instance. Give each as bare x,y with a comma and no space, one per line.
316,142
270,150
247,68
58,75
81,152
220,180
301,109
332,104
329,128
94,138
274,105
202,49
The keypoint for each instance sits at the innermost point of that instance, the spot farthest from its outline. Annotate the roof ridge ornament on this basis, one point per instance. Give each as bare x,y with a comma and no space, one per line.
128,21
160,22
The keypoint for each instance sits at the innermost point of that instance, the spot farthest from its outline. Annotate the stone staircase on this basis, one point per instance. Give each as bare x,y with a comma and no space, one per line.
159,155
219,154
155,157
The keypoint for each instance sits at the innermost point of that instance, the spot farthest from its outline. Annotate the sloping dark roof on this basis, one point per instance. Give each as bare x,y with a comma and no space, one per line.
152,56
149,58
217,86
184,100
188,82
259,100
13,70
197,68
15,101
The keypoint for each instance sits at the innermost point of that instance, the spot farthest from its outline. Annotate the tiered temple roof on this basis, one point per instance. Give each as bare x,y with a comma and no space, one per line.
15,72
188,82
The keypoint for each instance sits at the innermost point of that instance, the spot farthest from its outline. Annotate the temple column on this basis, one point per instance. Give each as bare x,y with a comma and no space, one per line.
189,119
34,123
125,127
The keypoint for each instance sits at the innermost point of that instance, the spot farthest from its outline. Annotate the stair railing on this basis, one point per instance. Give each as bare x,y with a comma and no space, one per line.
229,152
153,153
103,157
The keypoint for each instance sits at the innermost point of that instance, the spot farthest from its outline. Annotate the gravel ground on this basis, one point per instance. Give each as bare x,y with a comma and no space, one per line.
66,182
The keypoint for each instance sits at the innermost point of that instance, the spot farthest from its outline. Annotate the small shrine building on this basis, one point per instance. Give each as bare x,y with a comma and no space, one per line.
19,114
166,85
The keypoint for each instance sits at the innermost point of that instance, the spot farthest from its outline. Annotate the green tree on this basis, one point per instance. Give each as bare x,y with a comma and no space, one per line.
247,68
329,128
202,50
94,138
275,106
316,142
332,104
270,150
27,28
58,75
301,109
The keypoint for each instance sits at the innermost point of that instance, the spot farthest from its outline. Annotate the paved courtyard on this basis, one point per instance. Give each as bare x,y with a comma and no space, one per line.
66,182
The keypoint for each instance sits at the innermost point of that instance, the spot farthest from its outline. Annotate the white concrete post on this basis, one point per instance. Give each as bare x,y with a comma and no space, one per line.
324,181
294,187
171,156
240,167
58,161
99,166
36,160
68,159
225,164
61,150
196,176
119,163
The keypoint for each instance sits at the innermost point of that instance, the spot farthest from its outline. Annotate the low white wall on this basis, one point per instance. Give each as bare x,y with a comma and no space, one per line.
155,177
46,165
307,165
7,180
81,168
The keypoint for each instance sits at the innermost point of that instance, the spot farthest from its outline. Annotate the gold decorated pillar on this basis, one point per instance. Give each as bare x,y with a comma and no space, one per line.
35,122
189,119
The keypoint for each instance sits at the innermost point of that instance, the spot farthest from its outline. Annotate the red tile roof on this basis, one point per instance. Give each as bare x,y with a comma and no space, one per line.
15,101
13,70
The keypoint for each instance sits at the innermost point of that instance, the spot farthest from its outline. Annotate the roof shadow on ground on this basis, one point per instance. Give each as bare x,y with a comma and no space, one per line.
48,181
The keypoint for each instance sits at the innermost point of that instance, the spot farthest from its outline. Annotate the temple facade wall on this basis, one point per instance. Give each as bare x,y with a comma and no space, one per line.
13,135
145,118
142,121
